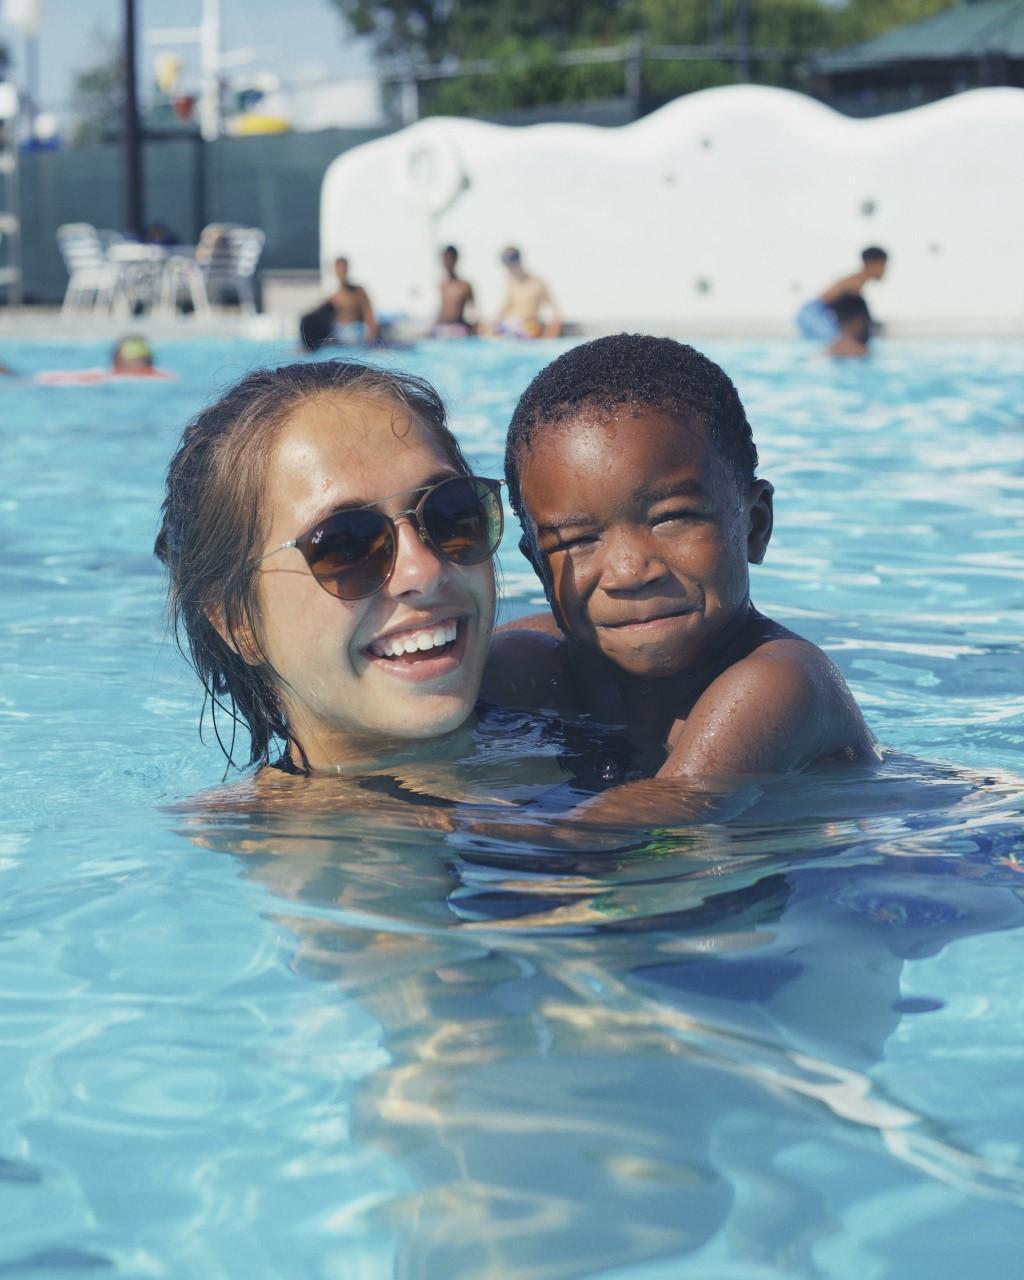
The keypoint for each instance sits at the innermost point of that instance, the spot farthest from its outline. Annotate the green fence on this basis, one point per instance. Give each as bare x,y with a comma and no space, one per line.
271,182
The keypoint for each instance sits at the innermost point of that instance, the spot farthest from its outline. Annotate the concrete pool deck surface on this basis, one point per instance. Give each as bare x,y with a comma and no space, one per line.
37,323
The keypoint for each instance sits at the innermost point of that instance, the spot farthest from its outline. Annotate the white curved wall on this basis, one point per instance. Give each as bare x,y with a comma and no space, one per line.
724,209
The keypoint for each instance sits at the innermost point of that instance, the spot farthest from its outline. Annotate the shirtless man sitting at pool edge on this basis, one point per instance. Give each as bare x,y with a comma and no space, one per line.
631,465
527,301
456,297
354,320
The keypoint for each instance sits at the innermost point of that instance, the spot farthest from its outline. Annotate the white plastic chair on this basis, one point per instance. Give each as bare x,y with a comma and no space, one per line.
142,271
182,275
225,262
90,272
231,255
10,276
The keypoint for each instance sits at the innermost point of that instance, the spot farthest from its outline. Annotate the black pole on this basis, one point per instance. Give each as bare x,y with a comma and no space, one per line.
716,25
198,186
32,81
133,205
743,30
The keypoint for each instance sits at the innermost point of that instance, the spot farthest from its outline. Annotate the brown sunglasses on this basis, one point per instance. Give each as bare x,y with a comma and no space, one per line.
352,553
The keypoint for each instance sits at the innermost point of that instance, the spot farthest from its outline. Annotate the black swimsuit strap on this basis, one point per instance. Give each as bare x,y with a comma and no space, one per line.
382,784
385,785
285,764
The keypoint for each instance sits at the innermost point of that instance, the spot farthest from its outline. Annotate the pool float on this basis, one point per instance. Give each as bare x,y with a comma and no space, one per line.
92,377
817,320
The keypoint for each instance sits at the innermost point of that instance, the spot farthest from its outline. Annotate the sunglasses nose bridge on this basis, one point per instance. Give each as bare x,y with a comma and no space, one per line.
352,581
418,565
413,517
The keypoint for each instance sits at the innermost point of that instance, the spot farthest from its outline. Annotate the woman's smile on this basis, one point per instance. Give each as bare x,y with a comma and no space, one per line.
428,651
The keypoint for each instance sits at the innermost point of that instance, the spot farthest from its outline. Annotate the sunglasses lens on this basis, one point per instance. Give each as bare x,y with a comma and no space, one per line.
462,517
352,553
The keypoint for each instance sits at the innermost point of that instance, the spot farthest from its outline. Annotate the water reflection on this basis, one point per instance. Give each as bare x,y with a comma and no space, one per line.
598,1058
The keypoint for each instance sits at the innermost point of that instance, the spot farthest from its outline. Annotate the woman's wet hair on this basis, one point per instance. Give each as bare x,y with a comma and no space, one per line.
214,524
631,370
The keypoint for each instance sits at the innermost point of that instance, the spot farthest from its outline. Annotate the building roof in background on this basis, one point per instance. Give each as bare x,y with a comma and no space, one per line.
967,30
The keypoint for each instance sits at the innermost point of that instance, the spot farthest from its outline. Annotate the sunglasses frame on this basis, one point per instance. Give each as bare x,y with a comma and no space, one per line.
304,542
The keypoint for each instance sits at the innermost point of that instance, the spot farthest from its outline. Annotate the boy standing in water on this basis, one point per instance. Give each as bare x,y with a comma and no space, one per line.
854,323
631,465
818,319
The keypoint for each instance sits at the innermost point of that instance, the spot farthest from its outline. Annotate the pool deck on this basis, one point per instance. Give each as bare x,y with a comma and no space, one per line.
38,323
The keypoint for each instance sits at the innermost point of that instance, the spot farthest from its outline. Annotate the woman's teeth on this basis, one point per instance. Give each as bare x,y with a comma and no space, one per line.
415,641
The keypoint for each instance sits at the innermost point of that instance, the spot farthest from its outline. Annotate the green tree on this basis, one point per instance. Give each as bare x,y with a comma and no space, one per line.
524,38
865,19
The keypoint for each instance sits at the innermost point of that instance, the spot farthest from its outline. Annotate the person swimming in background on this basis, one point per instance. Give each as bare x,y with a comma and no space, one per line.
631,465
817,319
456,297
133,358
854,321
329,559
529,310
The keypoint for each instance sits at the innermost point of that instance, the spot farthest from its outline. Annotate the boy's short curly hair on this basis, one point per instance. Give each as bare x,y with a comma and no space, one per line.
633,370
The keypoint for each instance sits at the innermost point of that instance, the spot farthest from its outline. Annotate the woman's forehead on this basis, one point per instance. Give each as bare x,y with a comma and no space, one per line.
349,449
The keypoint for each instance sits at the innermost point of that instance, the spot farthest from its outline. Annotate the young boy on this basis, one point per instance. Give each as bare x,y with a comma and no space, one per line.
456,298
854,321
631,465
818,319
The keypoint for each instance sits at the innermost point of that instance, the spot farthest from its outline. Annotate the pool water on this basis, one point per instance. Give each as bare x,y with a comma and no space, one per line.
779,1047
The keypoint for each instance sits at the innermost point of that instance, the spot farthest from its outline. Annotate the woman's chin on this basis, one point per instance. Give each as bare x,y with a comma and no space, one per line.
442,714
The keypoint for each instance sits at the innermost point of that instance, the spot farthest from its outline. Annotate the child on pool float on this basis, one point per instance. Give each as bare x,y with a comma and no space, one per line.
631,465
132,357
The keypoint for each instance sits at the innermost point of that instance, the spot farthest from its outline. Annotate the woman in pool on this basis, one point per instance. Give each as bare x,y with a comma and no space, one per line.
329,555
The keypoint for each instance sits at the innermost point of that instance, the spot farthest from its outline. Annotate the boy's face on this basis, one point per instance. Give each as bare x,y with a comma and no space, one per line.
644,536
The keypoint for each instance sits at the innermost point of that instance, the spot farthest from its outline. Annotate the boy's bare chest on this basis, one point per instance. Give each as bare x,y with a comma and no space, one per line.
652,718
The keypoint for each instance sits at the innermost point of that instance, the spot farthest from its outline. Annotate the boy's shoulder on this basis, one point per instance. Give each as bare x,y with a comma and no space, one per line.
779,706
528,666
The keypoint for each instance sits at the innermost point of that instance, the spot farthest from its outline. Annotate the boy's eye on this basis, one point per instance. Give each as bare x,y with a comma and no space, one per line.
572,543
669,517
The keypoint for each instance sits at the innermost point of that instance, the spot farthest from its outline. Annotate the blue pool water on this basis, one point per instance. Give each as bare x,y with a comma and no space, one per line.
782,1047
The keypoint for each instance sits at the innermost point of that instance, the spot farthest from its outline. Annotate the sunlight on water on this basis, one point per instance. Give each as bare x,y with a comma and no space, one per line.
317,1045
